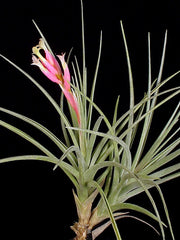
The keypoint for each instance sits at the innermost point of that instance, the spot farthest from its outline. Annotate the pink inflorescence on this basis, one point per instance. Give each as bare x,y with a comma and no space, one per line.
52,70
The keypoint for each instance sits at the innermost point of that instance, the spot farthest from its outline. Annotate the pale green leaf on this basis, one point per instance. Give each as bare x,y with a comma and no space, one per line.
134,207
27,137
51,100
111,216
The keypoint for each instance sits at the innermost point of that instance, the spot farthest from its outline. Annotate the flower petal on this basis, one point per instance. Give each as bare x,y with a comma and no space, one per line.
66,75
37,62
51,68
51,76
52,60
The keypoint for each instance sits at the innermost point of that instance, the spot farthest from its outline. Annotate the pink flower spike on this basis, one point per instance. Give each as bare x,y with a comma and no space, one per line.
52,70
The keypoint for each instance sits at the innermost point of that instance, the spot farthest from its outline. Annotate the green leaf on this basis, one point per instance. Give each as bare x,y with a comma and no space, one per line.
166,210
147,121
134,207
145,114
145,189
64,130
166,172
41,34
92,140
26,137
37,125
145,99
111,216
94,84
157,144
116,110
70,172
53,160
164,159
108,136
51,100
126,161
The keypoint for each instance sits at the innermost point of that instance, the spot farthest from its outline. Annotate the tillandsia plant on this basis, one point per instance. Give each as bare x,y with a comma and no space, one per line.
105,173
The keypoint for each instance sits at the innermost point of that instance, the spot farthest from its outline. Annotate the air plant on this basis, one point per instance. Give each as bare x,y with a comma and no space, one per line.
103,197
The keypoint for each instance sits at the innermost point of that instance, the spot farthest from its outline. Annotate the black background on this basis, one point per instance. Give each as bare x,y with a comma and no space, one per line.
36,202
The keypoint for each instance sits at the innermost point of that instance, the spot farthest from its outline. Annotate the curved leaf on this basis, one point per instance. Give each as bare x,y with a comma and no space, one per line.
51,100
37,125
111,216
70,172
26,137
134,207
